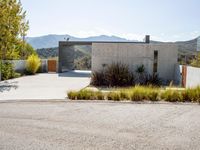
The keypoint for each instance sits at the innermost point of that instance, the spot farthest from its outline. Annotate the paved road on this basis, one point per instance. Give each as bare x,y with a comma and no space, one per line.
75,125
43,86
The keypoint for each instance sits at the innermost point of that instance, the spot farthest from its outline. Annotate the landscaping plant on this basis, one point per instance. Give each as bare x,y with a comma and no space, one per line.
172,96
139,93
7,71
33,63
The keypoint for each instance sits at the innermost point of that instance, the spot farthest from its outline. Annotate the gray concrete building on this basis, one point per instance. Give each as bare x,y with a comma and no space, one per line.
159,58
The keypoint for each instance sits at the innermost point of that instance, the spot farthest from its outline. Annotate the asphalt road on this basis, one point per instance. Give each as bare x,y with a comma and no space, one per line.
77,125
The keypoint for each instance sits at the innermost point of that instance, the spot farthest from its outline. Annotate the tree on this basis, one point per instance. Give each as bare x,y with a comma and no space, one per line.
196,62
13,29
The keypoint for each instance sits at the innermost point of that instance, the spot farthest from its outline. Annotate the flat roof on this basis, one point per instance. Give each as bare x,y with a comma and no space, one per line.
90,42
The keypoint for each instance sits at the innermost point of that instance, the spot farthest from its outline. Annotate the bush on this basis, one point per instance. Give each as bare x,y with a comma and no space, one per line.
172,96
115,96
8,71
98,79
33,63
85,95
153,95
152,80
72,95
124,95
118,74
137,95
191,95
99,96
114,75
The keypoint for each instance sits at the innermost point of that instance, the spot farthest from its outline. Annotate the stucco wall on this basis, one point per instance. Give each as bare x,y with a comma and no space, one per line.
192,77
136,54
20,65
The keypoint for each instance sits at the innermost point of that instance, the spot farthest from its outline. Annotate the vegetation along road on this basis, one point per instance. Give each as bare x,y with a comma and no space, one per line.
98,125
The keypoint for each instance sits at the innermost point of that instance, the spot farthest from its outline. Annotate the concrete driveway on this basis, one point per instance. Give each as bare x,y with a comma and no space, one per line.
103,126
43,86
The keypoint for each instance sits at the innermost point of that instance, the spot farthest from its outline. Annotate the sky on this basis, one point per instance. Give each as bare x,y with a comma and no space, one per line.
164,20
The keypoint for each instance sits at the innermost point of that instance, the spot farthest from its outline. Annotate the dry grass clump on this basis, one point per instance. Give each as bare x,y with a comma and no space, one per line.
139,93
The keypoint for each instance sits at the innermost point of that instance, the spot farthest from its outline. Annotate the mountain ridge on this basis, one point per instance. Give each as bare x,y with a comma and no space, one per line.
52,40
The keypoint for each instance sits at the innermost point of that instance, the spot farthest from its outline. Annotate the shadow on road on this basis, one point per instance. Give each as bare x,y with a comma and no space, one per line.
76,73
7,86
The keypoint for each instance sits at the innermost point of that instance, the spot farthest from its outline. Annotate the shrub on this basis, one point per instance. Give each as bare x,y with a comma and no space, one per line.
137,95
113,96
152,80
98,79
118,74
191,95
124,95
115,74
153,95
33,63
99,96
172,96
140,70
72,95
7,71
85,95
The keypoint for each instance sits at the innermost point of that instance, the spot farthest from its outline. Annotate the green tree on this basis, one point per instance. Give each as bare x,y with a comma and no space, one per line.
196,62
13,29
26,50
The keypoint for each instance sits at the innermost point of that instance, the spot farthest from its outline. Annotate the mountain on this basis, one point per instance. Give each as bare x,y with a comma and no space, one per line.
52,40
188,46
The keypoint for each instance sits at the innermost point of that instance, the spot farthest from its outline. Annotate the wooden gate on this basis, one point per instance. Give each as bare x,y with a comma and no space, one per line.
52,66
184,76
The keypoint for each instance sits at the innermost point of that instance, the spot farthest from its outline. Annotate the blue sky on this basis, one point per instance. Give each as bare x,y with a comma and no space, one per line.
166,20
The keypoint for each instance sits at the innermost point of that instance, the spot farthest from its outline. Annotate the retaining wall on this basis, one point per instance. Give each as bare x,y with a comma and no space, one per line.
20,65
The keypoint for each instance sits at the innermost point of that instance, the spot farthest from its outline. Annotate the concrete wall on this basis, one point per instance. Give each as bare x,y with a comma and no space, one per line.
20,65
192,77
136,54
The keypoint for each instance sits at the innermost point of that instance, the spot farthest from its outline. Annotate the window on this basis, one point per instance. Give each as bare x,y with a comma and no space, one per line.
155,62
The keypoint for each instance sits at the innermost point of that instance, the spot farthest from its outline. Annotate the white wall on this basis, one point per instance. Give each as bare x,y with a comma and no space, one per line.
192,77
136,54
20,65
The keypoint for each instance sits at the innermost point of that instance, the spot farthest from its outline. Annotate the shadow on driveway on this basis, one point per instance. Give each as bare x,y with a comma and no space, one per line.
76,73
7,86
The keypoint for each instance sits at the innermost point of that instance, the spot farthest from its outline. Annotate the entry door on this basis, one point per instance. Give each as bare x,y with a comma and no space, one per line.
52,66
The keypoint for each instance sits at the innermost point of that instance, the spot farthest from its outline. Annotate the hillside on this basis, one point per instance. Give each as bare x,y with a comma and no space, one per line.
82,58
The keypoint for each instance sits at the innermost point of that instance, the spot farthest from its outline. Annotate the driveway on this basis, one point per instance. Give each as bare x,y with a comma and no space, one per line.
43,86
106,126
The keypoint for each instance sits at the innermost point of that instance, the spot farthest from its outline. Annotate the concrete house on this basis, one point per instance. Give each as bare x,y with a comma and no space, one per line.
159,58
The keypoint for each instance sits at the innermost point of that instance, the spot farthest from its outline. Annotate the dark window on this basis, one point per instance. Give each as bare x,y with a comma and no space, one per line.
155,62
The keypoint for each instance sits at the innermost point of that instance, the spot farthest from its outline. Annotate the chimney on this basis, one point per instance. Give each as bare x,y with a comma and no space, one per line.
147,39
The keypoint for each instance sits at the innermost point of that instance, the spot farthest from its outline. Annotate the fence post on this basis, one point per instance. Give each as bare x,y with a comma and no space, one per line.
184,76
